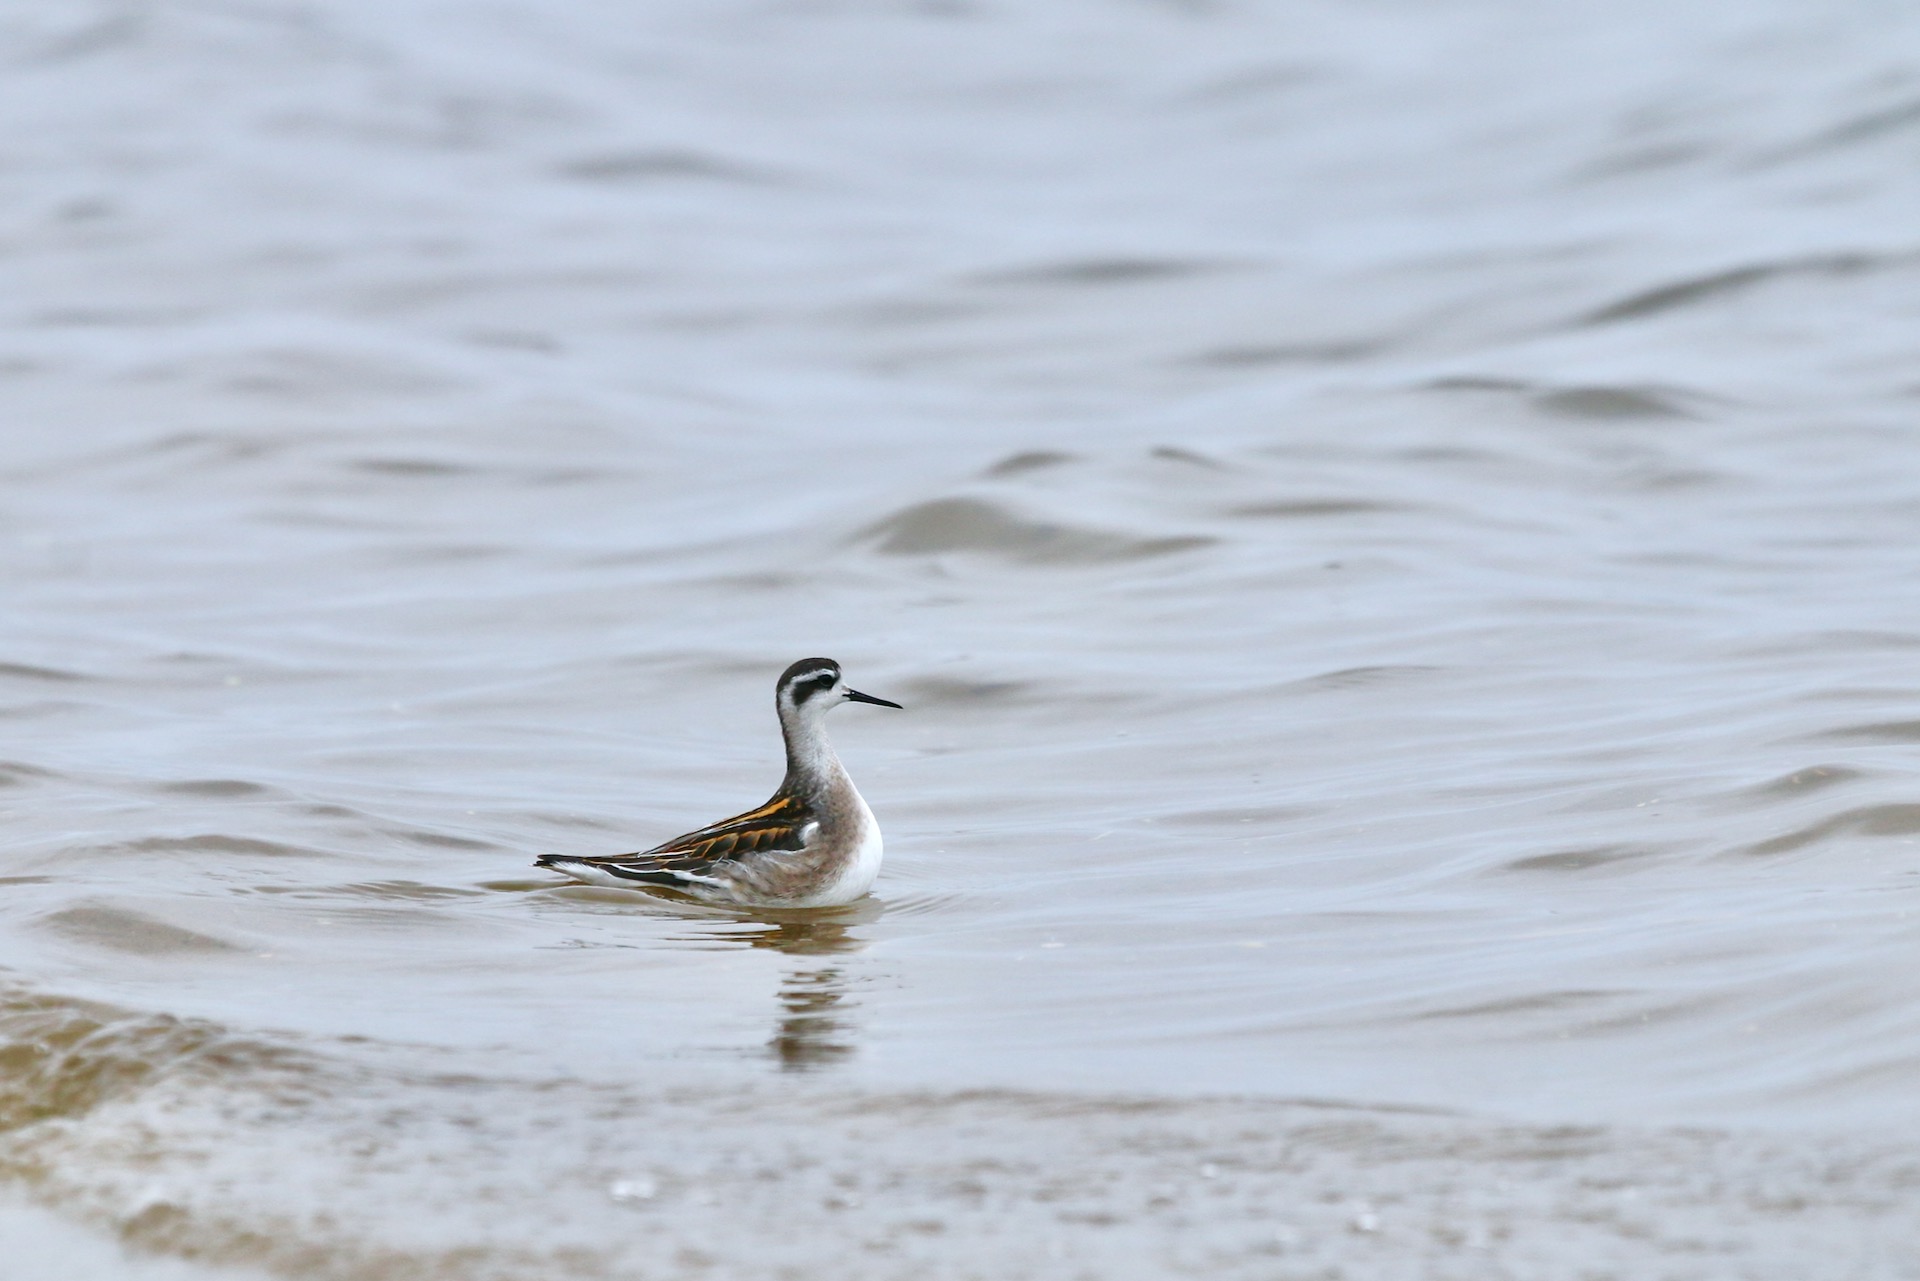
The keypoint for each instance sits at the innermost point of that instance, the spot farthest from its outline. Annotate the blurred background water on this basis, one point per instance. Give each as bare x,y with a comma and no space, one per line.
1394,524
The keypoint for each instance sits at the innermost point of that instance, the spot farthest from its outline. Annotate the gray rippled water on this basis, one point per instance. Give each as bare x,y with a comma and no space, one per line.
1393,525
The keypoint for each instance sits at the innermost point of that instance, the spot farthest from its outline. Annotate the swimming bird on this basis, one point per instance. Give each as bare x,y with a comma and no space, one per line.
814,844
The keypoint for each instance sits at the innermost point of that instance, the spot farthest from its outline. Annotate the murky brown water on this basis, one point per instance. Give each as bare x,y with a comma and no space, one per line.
1394,525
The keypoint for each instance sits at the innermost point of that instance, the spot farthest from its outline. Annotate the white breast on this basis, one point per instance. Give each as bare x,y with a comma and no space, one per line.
860,870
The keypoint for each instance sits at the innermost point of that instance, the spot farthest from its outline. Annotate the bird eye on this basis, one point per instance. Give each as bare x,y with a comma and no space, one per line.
814,683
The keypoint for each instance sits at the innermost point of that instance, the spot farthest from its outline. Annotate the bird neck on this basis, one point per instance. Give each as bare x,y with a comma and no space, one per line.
812,765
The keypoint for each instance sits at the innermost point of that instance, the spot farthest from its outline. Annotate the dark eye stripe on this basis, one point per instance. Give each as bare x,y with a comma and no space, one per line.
807,686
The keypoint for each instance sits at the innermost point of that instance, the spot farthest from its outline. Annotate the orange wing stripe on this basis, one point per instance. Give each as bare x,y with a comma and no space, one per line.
773,826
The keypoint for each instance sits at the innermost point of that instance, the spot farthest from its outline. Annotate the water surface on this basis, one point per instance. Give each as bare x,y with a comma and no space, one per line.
1393,525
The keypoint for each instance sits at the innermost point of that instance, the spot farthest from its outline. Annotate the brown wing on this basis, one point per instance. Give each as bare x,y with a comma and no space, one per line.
780,824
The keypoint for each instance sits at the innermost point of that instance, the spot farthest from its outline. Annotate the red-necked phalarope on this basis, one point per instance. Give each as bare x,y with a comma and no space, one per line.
815,844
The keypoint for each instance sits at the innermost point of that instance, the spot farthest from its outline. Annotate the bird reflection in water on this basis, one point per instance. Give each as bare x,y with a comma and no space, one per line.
813,1031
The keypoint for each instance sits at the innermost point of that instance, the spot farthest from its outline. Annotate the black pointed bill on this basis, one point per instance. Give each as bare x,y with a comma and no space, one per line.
855,696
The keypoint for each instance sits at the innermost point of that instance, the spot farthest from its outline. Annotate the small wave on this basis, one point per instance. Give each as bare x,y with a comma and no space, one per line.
528,340
33,672
1310,508
1531,1003
18,773
447,553
946,525
664,164
1610,402
560,819
1030,460
218,788
521,885
1868,820
1257,816
1656,479
405,891
1357,677
198,450
410,468
1595,401
1185,457
1875,732
1331,352
1256,82
1580,860
1475,382
928,903
1099,272
75,33
209,843
128,931
1814,778
440,840
312,376
1720,284
112,317
1867,127
1640,160
41,708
